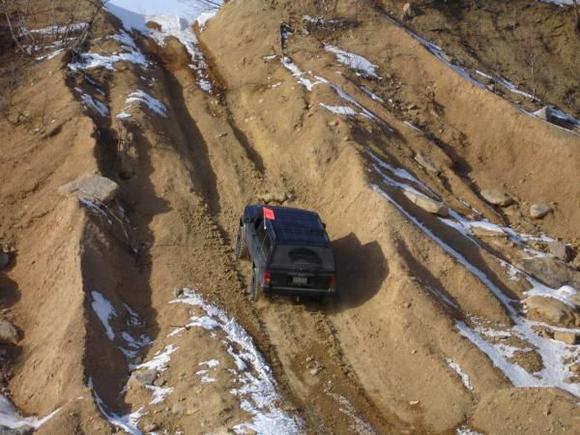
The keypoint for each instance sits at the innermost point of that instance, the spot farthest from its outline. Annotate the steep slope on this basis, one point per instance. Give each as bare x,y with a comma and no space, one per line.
144,325
534,45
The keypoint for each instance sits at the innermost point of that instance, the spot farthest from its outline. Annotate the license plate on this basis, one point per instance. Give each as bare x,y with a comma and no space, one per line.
300,280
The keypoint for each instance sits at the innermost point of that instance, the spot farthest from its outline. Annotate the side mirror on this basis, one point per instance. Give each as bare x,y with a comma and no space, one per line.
323,225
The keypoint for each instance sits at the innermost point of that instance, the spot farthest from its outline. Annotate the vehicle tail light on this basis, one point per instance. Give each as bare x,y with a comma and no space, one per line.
266,278
332,282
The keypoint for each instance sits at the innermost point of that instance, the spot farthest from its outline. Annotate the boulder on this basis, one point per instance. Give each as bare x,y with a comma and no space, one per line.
568,337
150,427
551,271
427,163
91,187
559,250
552,311
426,203
145,377
274,197
539,210
497,197
8,333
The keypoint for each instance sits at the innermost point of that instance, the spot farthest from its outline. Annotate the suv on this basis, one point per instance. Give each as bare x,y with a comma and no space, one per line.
289,250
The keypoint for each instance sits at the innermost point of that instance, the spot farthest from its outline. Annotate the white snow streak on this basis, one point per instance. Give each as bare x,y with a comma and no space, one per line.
464,376
94,104
176,18
129,53
160,360
104,311
11,418
256,388
128,422
142,97
554,354
357,63
340,110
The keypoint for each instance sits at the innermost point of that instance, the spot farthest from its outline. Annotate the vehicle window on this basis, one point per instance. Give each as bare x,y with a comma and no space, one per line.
303,256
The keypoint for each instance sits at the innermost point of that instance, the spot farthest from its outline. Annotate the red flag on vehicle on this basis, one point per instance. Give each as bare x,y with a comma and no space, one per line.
268,213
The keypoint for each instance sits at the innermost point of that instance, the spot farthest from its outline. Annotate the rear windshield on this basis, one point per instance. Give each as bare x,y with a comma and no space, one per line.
315,257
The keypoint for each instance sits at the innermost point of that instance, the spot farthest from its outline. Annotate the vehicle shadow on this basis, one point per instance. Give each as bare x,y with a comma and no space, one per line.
360,271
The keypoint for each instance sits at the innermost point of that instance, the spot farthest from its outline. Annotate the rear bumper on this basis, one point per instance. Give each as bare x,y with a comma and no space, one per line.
298,291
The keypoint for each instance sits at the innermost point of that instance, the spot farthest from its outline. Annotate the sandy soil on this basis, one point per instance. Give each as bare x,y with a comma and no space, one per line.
393,353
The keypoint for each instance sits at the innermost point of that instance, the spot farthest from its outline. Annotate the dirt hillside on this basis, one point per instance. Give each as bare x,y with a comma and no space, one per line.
136,133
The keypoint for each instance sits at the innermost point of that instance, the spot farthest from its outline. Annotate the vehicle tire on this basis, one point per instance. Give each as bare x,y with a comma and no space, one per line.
254,286
241,247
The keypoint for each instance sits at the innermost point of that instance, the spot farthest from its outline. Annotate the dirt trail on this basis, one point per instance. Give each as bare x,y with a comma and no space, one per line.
157,333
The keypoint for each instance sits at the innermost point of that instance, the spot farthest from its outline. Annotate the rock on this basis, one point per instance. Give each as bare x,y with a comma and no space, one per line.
497,197
426,203
559,250
414,402
314,371
274,197
551,271
568,337
4,260
8,333
427,163
408,12
150,427
552,311
145,377
91,187
539,210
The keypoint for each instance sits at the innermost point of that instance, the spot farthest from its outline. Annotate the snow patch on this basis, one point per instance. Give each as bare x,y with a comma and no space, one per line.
129,53
104,311
176,18
464,376
358,425
128,422
560,3
11,418
340,110
466,430
371,94
153,104
159,393
359,64
160,360
301,77
566,294
92,103
256,388
555,355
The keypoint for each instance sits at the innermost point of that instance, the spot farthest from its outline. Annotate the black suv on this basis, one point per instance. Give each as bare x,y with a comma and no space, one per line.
289,250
